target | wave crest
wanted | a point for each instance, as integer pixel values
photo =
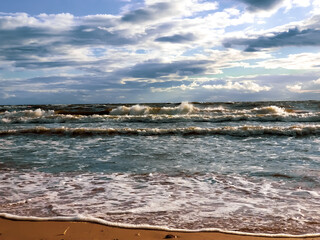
(183, 108)
(155, 113)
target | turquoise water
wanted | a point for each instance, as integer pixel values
(252, 167)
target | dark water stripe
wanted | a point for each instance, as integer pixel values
(242, 131)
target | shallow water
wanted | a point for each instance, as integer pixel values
(252, 167)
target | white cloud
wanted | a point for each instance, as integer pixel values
(61, 21)
(317, 81)
(294, 88)
(187, 7)
(289, 4)
(182, 87)
(299, 3)
(6, 95)
(246, 86)
(306, 87)
(293, 61)
(316, 7)
(162, 45)
(242, 86)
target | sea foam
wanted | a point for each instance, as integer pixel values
(183, 108)
(248, 167)
(89, 219)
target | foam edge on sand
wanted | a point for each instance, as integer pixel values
(81, 218)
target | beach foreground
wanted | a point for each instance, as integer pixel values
(69, 230)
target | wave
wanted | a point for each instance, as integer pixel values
(89, 219)
(180, 113)
(183, 108)
(240, 131)
(182, 200)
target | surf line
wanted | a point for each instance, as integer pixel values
(81, 218)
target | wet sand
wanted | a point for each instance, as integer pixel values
(69, 230)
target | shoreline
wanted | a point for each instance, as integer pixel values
(17, 228)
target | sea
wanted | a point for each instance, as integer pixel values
(250, 167)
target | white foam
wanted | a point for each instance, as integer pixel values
(271, 110)
(183, 112)
(25, 115)
(170, 201)
(82, 218)
(182, 109)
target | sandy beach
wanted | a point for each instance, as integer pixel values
(68, 230)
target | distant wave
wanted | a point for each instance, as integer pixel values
(183, 108)
(241, 131)
(141, 113)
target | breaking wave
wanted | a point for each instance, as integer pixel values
(243, 166)
(142, 113)
(183, 108)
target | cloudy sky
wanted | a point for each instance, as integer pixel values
(115, 51)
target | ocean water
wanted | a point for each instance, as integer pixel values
(236, 166)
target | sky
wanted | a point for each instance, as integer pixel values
(135, 51)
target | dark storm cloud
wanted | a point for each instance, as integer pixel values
(139, 15)
(157, 70)
(24, 43)
(177, 38)
(23, 57)
(97, 36)
(24, 53)
(88, 82)
(19, 35)
(80, 35)
(151, 12)
(25, 38)
(47, 64)
(256, 5)
(21, 45)
(292, 37)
